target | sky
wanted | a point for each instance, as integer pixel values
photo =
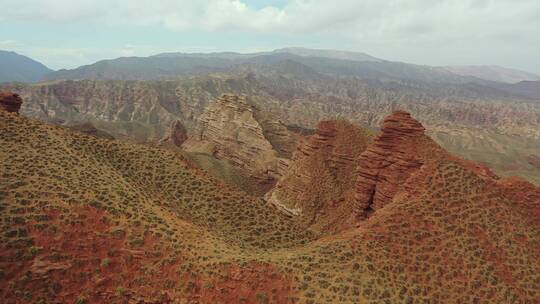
(70, 33)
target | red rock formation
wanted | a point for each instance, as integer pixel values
(324, 132)
(388, 161)
(10, 102)
(177, 134)
(316, 186)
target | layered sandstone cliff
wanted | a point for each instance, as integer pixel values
(229, 129)
(389, 161)
(340, 175)
(315, 188)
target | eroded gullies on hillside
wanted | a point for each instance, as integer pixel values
(91, 220)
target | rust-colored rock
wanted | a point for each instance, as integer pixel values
(10, 102)
(389, 161)
(322, 171)
(177, 134)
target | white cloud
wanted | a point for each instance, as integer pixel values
(398, 26)
(9, 44)
(297, 15)
(448, 20)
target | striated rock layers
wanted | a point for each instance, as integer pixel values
(232, 129)
(130, 110)
(322, 170)
(10, 102)
(396, 153)
(339, 176)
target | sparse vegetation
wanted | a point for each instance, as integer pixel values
(162, 224)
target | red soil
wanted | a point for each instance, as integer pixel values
(254, 283)
(87, 260)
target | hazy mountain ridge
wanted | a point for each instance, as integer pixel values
(300, 89)
(530, 89)
(494, 73)
(15, 67)
(333, 62)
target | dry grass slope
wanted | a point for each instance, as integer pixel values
(54, 181)
(88, 220)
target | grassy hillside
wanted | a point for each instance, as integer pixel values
(506, 154)
(125, 200)
(89, 220)
(226, 172)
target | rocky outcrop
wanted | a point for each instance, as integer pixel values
(388, 161)
(229, 130)
(177, 134)
(10, 102)
(322, 170)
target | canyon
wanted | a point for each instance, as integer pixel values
(475, 122)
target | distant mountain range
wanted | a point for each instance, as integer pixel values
(494, 73)
(335, 63)
(15, 67)
(529, 89)
(166, 66)
(299, 51)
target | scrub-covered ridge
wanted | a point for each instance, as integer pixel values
(86, 219)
